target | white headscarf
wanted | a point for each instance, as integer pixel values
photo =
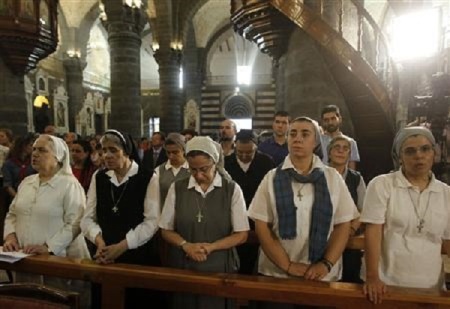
(204, 144)
(62, 154)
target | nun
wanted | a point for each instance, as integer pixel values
(407, 217)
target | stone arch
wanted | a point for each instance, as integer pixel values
(213, 43)
(237, 106)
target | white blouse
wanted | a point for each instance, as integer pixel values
(135, 237)
(263, 208)
(409, 257)
(47, 213)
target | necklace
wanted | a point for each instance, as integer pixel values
(299, 192)
(199, 215)
(115, 209)
(421, 223)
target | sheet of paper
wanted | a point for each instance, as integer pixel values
(12, 257)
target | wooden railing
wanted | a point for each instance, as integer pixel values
(116, 277)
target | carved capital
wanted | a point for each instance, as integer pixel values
(168, 57)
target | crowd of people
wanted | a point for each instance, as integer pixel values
(283, 207)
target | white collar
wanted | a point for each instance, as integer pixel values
(217, 182)
(402, 182)
(131, 172)
(169, 166)
(316, 163)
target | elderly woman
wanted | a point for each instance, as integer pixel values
(339, 153)
(44, 217)
(45, 214)
(407, 216)
(204, 219)
(119, 218)
(302, 212)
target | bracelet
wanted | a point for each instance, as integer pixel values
(181, 244)
(327, 264)
(289, 267)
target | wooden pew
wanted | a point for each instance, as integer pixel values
(114, 278)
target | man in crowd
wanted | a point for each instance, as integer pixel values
(331, 122)
(247, 167)
(156, 154)
(227, 133)
(276, 146)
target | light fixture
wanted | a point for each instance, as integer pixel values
(176, 45)
(73, 53)
(155, 46)
(39, 101)
(133, 3)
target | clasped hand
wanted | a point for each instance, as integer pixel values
(308, 271)
(198, 251)
(108, 254)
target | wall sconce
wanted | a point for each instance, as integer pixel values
(176, 45)
(133, 3)
(73, 53)
(39, 101)
(155, 46)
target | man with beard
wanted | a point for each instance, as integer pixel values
(276, 146)
(331, 121)
(227, 132)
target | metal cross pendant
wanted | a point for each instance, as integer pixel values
(199, 217)
(115, 209)
(420, 225)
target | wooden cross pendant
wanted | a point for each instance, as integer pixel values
(199, 217)
(420, 226)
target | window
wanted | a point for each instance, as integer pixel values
(244, 74)
(153, 125)
(415, 35)
(243, 123)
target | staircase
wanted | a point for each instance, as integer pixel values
(355, 52)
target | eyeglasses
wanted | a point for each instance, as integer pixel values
(341, 148)
(202, 170)
(411, 151)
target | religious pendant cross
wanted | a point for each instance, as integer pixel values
(299, 194)
(420, 225)
(115, 209)
(199, 217)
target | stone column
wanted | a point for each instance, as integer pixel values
(74, 67)
(169, 91)
(13, 106)
(124, 26)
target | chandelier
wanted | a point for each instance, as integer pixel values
(28, 32)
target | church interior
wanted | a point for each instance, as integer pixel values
(144, 66)
(170, 65)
